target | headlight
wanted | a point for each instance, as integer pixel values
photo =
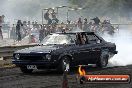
(17, 56)
(48, 56)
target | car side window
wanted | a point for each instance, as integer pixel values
(81, 39)
(92, 39)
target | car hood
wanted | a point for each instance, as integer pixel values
(40, 49)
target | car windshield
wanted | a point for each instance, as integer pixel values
(59, 39)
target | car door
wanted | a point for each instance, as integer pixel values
(83, 50)
(85, 54)
(94, 49)
(80, 52)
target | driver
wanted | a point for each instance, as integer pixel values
(81, 39)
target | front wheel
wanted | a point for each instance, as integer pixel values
(25, 70)
(64, 65)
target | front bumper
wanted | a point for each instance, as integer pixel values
(39, 64)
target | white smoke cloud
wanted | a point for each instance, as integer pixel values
(123, 41)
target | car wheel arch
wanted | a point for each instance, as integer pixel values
(65, 55)
(104, 55)
(64, 58)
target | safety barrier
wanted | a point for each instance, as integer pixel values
(7, 51)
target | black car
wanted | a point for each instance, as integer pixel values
(63, 50)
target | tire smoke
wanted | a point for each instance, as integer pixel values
(123, 41)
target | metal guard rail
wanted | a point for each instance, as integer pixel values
(7, 51)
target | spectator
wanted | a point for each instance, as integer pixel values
(41, 34)
(90, 25)
(33, 24)
(53, 14)
(96, 26)
(47, 18)
(32, 39)
(13, 32)
(24, 29)
(85, 25)
(54, 18)
(96, 20)
(1, 21)
(36, 25)
(79, 23)
(18, 30)
(46, 15)
(29, 24)
(49, 21)
(28, 27)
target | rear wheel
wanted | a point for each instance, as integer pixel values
(64, 65)
(25, 70)
(103, 61)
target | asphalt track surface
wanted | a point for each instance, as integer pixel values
(14, 78)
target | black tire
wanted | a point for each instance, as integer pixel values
(25, 70)
(64, 65)
(103, 61)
